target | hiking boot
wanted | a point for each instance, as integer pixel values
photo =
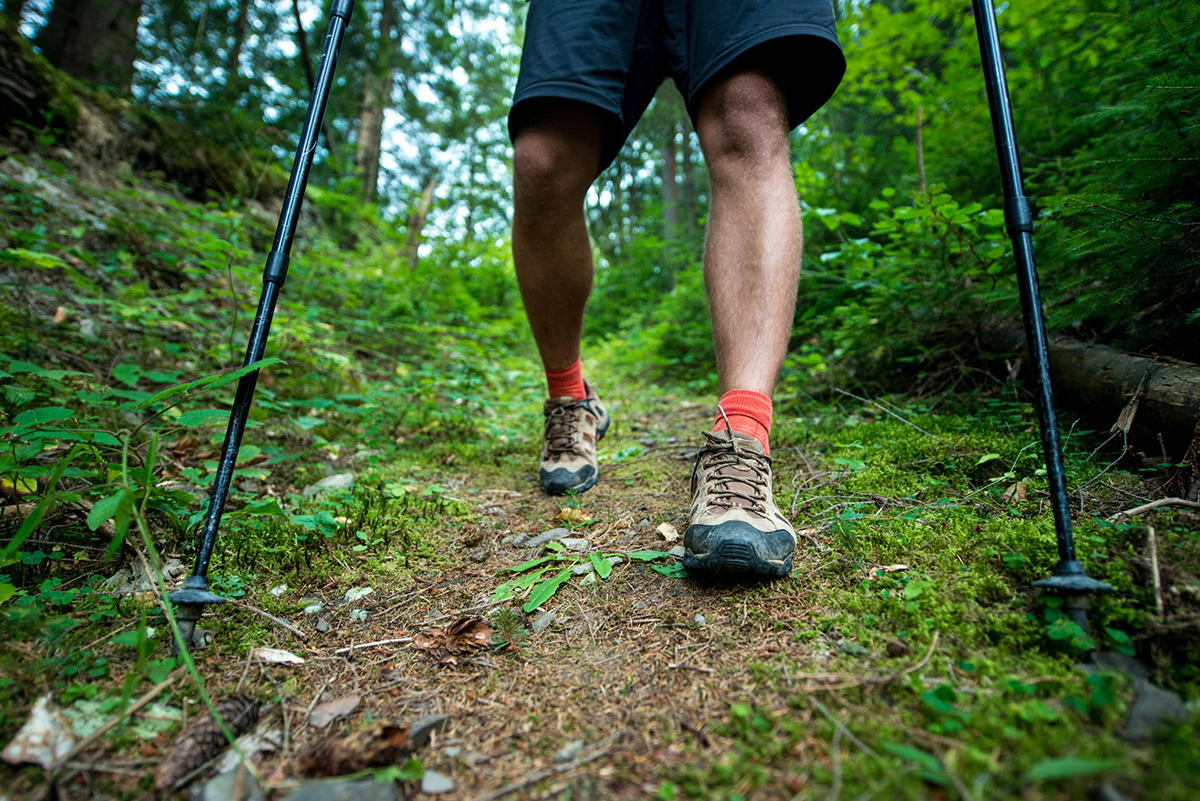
(735, 526)
(573, 427)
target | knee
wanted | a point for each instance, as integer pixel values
(742, 125)
(550, 169)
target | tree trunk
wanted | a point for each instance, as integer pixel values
(93, 40)
(1101, 381)
(377, 96)
(416, 222)
(670, 187)
(233, 62)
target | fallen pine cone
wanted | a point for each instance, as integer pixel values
(375, 746)
(202, 739)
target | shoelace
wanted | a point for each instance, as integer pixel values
(729, 461)
(562, 428)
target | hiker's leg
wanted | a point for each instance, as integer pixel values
(555, 159)
(752, 251)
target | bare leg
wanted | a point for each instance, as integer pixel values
(555, 158)
(752, 252)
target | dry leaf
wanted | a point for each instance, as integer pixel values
(1014, 494)
(375, 746)
(45, 738)
(326, 713)
(203, 739)
(668, 532)
(570, 514)
(461, 637)
(895, 568)
(276, 656)
(60, 315)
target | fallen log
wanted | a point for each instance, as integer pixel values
(1156, 396)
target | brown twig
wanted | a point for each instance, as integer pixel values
(1153, 543)
(1161, 502)
(377, 643)
(277, 621)
(600, 750)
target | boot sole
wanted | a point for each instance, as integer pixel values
(736, 556)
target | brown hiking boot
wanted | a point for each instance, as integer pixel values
(735, 526)
(573, 427)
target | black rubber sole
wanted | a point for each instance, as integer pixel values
(735, 557)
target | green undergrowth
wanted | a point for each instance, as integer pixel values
(927, 558)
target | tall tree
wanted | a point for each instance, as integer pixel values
(234, 60)
(376, 98)
(94, 40)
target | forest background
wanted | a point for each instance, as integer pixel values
(146, 145)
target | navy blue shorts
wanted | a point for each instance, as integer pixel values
(614, 54)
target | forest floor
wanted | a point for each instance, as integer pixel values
(382, 555)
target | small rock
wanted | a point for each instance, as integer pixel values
(569, 751)
(335, 482)
(615, 560)
(226, 786)
(553, 535)
(312, 605)
(590, 578)
(678, 551)
(851, 647)
(1106, 792)
(479, 554)
(342, 790)
(542, 621)
(700, 619)
(645, 521)
(279, 590)
(584, 569)
(575, 543)
(452, 751)
(509, 539)
(421, 729)
(322, 625)
(1111, 660)
(434, 783)
(1152, 707)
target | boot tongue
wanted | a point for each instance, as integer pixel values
(748, 442)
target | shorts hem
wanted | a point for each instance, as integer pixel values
(731, 53)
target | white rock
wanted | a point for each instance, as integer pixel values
(678, 551)
(45, 738)
(542, 621)
(434, 783)
(575, 543)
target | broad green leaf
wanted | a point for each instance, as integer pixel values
(127, 374)
(674, 570)
(601, 563)
(7, 591)
(46, 414)
(521, 568)
(199, 417)
(545, 591)
(987, 457)
(508, 588)
(105, 509)
(647, 556)
(308, 423)
(1049, 770)
(928, 766)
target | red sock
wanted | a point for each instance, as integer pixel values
(567, 381)
(748, 412)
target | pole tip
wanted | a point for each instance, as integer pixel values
(342, 8)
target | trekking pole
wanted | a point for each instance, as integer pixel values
(1069, 576)
(190, 600)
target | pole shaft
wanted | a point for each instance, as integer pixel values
(274, 274)
(1019, 221)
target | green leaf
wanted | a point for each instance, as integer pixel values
(988, 457)
(601, 563)
(508, 588)
(674, 570)
(647, 556)
(46, 414)
(7, 591)
(928, 766)
(532, 563)
(545, 591)
(105, 509)
(127, 374)
(307, 423)
(199, 417)
(1049, 770)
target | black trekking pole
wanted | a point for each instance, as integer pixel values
(1069, 578)
(190, 600)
